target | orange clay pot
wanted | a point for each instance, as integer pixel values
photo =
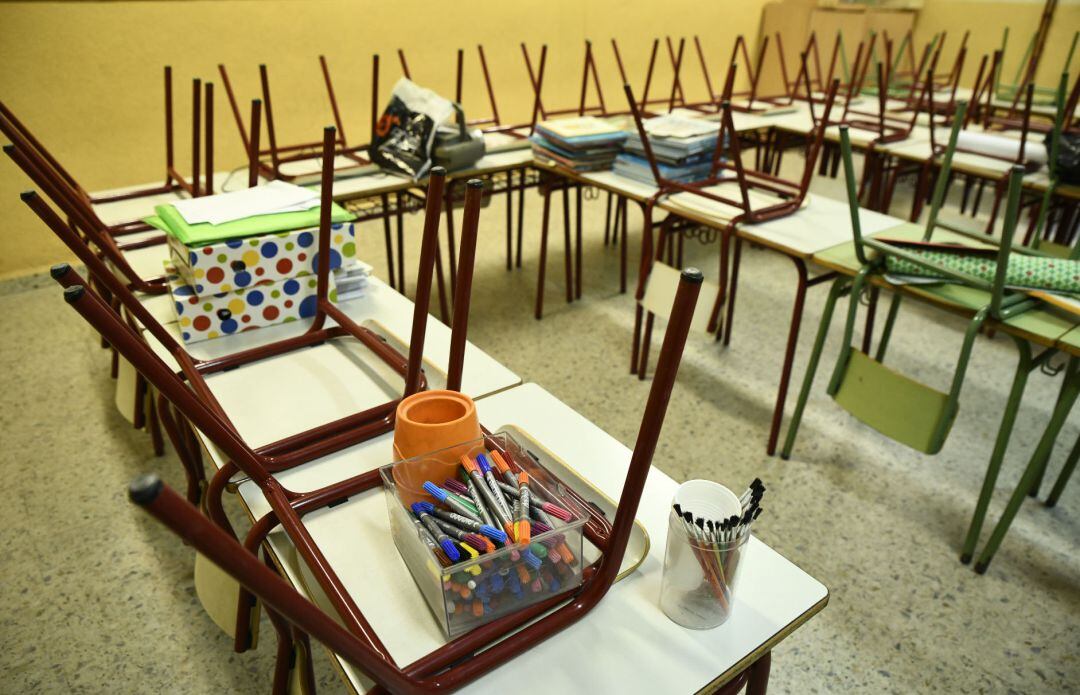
(432, 422)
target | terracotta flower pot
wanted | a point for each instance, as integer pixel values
(432, 422)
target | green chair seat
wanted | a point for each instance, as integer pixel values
(912, 412)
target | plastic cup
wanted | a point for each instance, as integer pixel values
(699, 574)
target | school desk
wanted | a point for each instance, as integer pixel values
(625, 645)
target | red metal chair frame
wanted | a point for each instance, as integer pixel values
(792, 194)
(16, 131)
(320, 441)
(283, 154)
(460, 661)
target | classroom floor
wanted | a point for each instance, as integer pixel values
(99, 598)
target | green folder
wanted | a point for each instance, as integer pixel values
(170, 221)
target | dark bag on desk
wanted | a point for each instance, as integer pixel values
(455, 147)
(1068, 158)
(405, 134)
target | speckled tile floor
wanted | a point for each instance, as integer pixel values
(99, 598)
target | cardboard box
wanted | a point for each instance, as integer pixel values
(240, 263)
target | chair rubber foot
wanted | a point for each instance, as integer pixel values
(1050, 503)
(965, 559)
(785, 457)
(980, 567)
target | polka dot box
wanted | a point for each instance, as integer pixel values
(204, 316)
(242, 263)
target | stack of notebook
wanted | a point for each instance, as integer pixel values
(584, 143)
(683, 148)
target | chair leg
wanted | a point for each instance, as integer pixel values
(538, 312)
(1001, 444)
(1066, 473)
(645, 341)
(886, 331)
(440, 281)
(1035, 466)
(835, 290)
(871, 313)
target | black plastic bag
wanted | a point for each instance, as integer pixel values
(405, 133)
(1067, 165)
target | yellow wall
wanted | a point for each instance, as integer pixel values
(86, 76)
(987, 20)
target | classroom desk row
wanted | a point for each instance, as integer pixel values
(601, 652)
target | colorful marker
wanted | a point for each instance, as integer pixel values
(522, 528)
(429, 522)
(449, 500)
(492, 499)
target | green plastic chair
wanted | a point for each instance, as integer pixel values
(902, 408)
(1008, 91)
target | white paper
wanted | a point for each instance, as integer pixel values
(996, 145)
(273, 197)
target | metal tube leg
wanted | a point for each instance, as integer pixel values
(735, 260)
(646, 340)
(1001, 444)
(721, 295)
(635, 348)
(444, 312)
(400, 243)
(538, 312)
(509, 220)
(450, 237)
(521, 213)
(886, 331)
(385, 199)
(758, 682)
(826, 318)
(577, 245)
(607, 219)
(1066, 473)
(567, 245)
(789, 357)
(871, 312)
(1035, 466)
(622, 244)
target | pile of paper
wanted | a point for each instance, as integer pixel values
(583, 143)
(683, 148)
(274, 207)
(352, 280)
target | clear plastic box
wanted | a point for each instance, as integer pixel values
(472, 592)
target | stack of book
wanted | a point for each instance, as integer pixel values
(683, 148)
(583, 143)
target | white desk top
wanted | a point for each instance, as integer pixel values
(820, 224)
(604, 651)
(629, 188)
(137, 208)
(276, 397)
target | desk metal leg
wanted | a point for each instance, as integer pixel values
(391, 275)
(577, 246)
(735, 260)
(607, 219)
(1063, 477)
(449, 203)
(789, 356)
(522, 180)
(400, 242)
(567, 245)
(538, 313)
(510, 220)
(622, 244)
(758, 683)
(444, 312)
